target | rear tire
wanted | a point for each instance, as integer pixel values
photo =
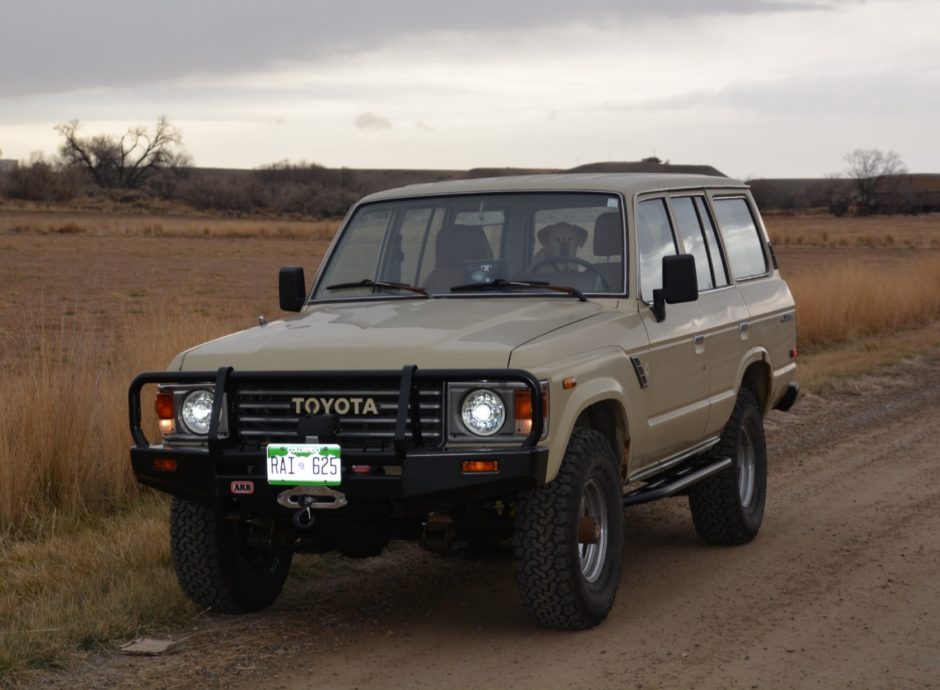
(563, 583)
(215, 565)
(728, 507)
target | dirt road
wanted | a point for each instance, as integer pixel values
(841, 589)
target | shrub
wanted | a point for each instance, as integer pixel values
(41, 180)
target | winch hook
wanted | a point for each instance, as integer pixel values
(303, 518)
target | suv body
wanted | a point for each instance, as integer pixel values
(479, 359)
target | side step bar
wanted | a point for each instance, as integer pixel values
(673, 482)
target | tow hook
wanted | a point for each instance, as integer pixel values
(439, 533)
(303, 518)
(306, 499)
(589, 532)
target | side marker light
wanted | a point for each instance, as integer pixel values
(164, 464)
(477, 466)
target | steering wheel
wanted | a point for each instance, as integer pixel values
(558, 263)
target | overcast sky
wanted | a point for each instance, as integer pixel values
(754, 88)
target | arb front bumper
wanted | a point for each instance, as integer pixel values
(411, 467)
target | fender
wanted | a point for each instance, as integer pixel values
(595, 383)
(722, 403)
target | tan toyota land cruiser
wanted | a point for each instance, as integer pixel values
(477, 360)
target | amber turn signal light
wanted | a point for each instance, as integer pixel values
(163, 404)
(475, 466)
(164, 464)
(523, 404)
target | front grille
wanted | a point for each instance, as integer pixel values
(267, 413)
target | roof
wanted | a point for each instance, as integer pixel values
(627, 184)
(646, 166)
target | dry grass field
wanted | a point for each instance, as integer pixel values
(88, 300)
(871, 232)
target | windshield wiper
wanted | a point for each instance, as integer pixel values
(501, 284)
(367, 282)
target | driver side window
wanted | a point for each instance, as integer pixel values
(656, 240)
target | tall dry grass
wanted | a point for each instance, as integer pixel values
(64, 435)
(850, 301)
(84, 552)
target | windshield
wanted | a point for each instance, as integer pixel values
(387, 249)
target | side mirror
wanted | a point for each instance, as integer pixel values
(680, 283)
(293, 292)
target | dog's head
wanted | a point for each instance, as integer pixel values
(562, 239)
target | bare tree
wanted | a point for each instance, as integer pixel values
(125, 162)
(873, 171)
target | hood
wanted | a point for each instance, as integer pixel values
(388, 334)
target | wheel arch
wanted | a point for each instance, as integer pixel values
(758, 377)
(609, 418)
(598, 405)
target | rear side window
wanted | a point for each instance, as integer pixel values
(714, 246)
(656, 240)
(742, 240)
(693, 239)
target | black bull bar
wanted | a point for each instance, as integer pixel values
(425, 474)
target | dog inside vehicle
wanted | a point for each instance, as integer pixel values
(559, 240)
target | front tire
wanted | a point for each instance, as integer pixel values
(565, 581)
(728, 508)
(216, 566)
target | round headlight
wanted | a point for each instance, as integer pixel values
(197, 411)
(483, 412)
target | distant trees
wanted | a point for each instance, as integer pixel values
(125, 162)
(301, 189)
(40, 179)
(875, 174)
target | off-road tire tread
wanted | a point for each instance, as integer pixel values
(206, 569)
(715, 502)
(194, 550)
(549, 584)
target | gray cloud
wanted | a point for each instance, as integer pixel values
(812, 97)
(52, 46)
(371, 121)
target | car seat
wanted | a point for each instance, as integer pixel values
(453, 247)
